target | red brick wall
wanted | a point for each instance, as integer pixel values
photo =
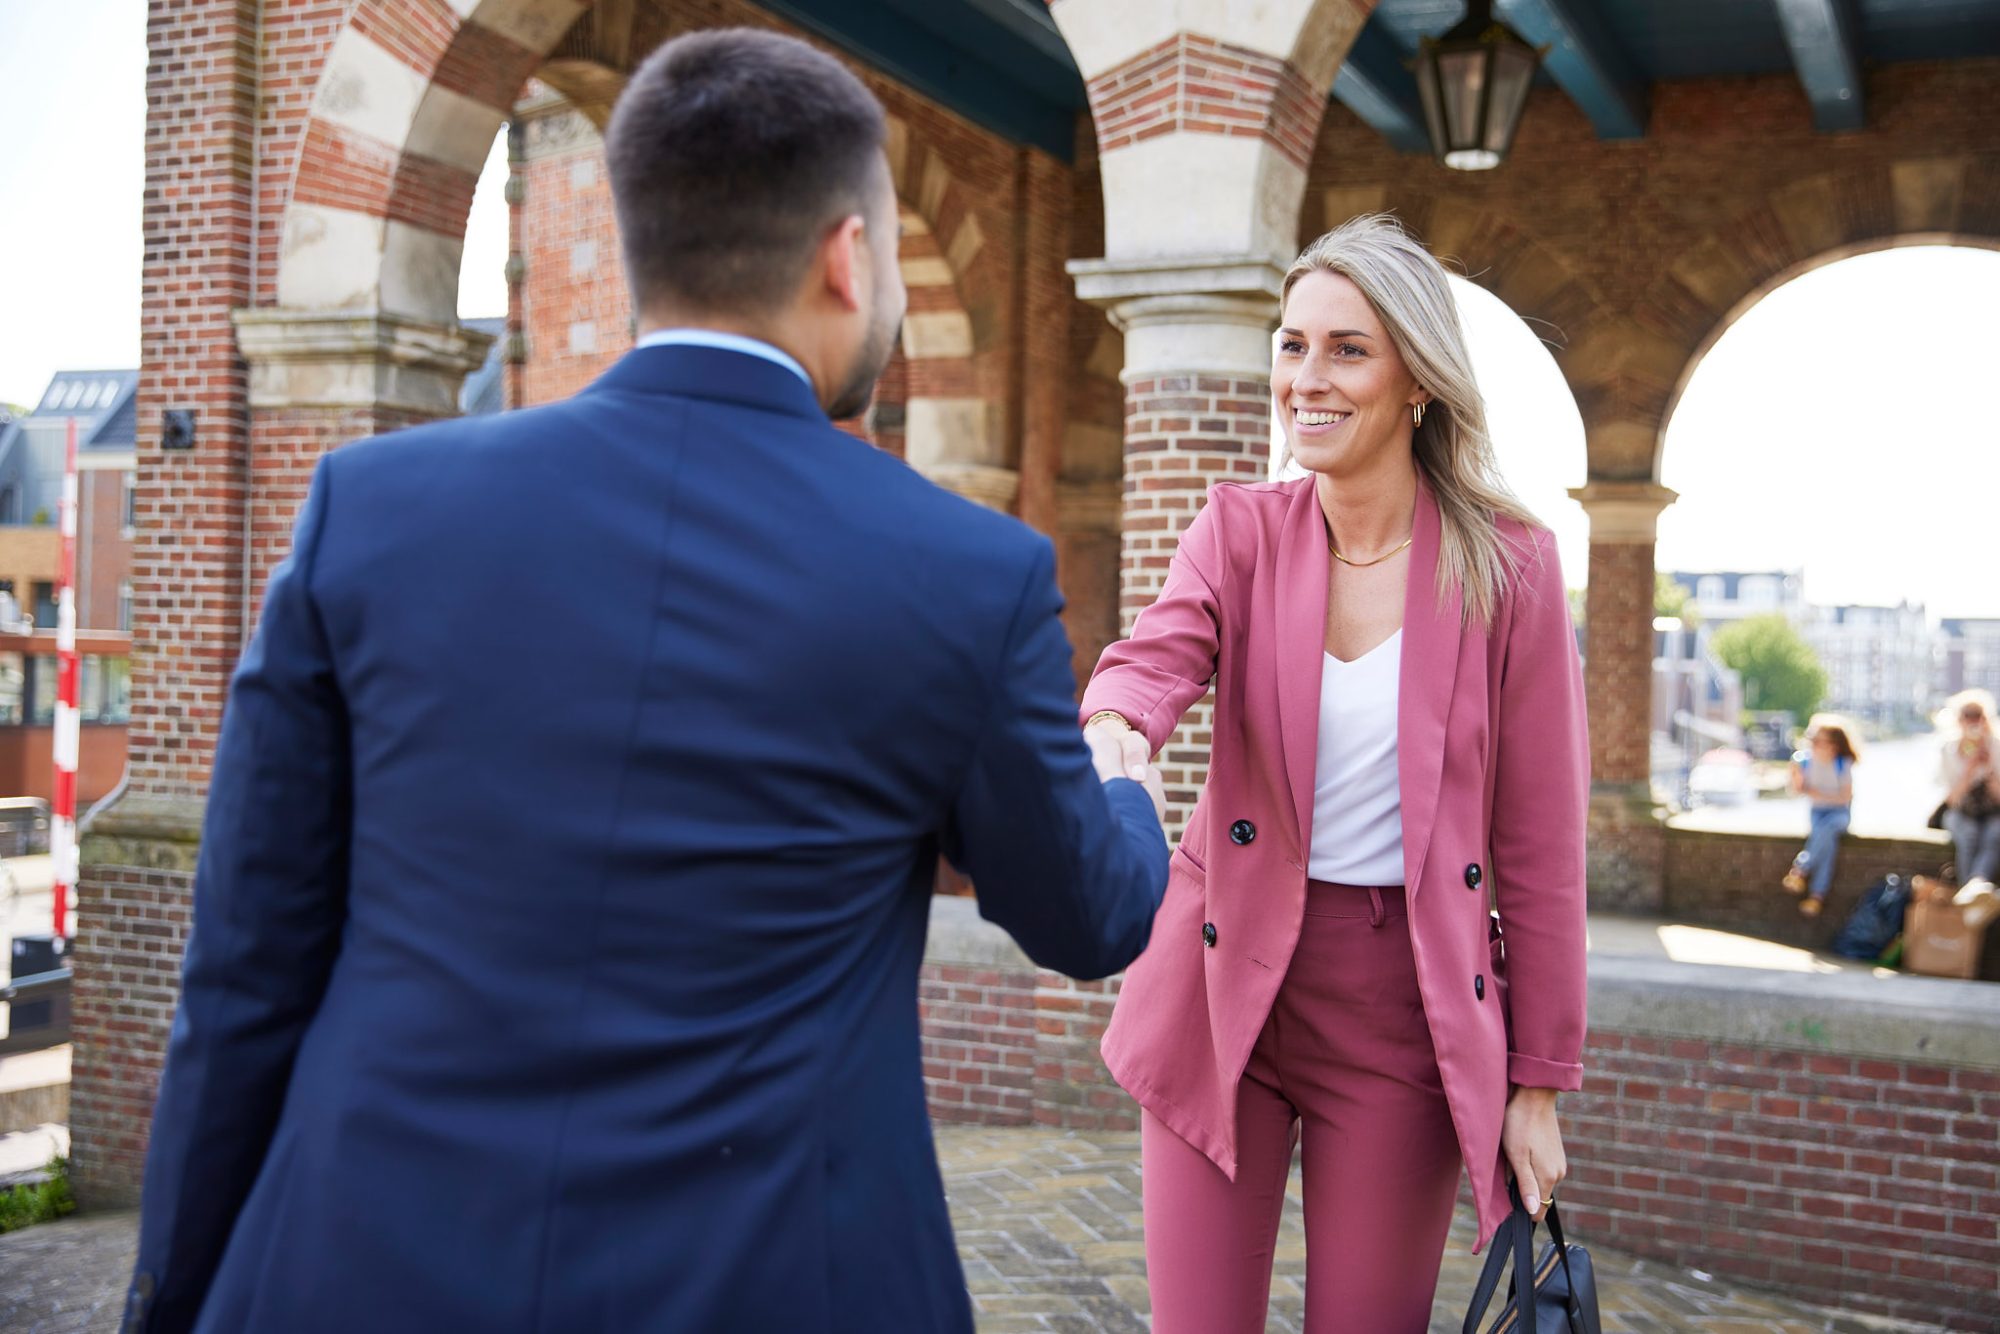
(1014, 1046)
(575, 307)
(1195, 83)
(197, 223)
(132, 925)
(1820, 1175)
(979, 1042)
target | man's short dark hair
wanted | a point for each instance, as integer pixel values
(731, 152)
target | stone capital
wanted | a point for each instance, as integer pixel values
(1210, 314)
(356, 359)
(1625, 512)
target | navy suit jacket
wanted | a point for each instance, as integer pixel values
(566, 870)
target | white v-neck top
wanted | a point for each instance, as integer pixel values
(1357, 827)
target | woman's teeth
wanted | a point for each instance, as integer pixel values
(1319, 418)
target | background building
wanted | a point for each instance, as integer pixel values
(1968, 655)
(1880, 663)
(104, 407)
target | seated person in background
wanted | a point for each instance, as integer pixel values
(1824, 772)
(1970, 770)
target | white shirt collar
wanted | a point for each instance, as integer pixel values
(728, 342)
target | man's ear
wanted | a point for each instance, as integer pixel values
(843, 262)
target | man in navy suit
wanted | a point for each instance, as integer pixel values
(572, 828)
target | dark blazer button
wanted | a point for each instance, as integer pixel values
(1479, 986)
(1242, 832)
(1472, 876)
(1208, 934)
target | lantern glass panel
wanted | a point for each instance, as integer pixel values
(1513, 71)
(1463, 74)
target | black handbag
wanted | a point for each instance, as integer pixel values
(1555, 1295)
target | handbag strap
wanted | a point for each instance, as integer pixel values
(1514, 1237)
(1489, 1277)
(1575, 1303)
(1524, 1271)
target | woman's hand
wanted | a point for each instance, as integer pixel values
(1533, 1146)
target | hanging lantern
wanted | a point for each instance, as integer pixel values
(1473, 83)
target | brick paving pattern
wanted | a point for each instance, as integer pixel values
(1048, 1228)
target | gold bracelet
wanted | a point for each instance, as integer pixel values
(1102, 714)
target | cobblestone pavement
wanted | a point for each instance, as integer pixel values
(66, 1277)
(1048, 1227)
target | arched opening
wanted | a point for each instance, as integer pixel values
(1831, 460)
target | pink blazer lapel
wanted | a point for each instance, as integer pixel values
(1301, 598)
(1429, 674)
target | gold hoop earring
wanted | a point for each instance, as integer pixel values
(1417, 414)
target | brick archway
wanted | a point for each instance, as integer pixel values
(409, 100)
(1729, 305)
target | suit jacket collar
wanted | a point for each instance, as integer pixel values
(717, 374)
(1426, 679)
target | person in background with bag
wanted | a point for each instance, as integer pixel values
(1824, 773)
(1970, 770)
(1399, 733)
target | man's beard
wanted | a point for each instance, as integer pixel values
(853, 398)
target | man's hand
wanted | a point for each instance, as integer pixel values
(1120, 752)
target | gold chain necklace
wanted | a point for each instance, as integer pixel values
(1364, 564)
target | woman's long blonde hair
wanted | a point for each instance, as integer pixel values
(1408, 289)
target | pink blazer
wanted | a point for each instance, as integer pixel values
(1495, 775)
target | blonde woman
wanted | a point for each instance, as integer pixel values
(1399, 739)
(1969, 767)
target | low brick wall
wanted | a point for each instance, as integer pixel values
(1836, 1137)
(1006, 1043)
(1731, 881)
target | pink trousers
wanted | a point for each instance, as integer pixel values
(1345, 1066)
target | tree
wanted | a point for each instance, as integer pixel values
(1779, 669)
(1674, 599)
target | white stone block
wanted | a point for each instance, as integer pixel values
(453, 129)
(329, 258)
(583, 259)
(367, 90)
(937, 333)
(535, 24)
(420, 272)
(583, 174)
(582, 338)
(948, 430)
(1201, 194)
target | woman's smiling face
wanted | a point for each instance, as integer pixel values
(1338, 384)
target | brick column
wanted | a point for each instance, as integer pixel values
(1200, 92)
(1627, 848)
(1197, 412)
(188, 577)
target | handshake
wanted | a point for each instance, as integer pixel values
(1120, 752)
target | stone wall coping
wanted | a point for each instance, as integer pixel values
(1689, 824)
(1931, 1021)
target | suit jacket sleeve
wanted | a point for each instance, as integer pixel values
(1540, 797)
(269, 901)
(1073, 867)
(1154, 677)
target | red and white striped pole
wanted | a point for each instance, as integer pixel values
(62, 825)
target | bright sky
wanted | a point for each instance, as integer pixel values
(1837, 427)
